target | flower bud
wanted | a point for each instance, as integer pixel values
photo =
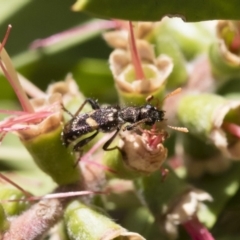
(138, 154)
(224, 53)
(214, 119)
(179, 75)
(192, 38)
(205, 158)
(83, 222)
(156, 70)
(43, 141)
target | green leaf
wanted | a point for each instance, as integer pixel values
(10, 7)
(154, 10)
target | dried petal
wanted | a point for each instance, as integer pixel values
(117, 39)
(49, 123)
(67, 88)
(218, 136)
(184, 209)
(139, 154)
(156, 71)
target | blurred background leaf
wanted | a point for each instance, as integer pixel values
(39, 19)
(154, 10)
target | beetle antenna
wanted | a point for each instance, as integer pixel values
(180, 129)
(151, 97)
(178, 90)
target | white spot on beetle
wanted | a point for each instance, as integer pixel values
(92, 123)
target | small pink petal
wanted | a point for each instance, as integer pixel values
(12, 112)
(235, 45)
(232, 128)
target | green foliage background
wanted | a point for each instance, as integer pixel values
(40, 19)
(86, 56)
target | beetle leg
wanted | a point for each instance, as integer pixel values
(65, 110)
(92, 102)
(77, 147)
(79, 156)
(134, 125)
(109, 141)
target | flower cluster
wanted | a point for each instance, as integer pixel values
(149, 61)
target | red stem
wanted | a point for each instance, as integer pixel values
(196, 230)
(135, 56)
(5, 37)
(87, 28)
(27, 194)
